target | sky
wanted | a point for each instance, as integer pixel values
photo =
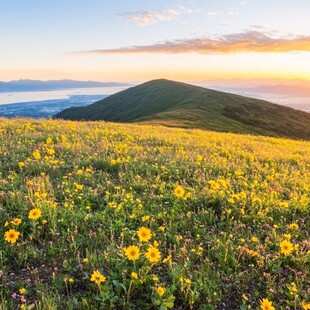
(139, 40)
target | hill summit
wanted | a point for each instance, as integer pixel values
(176, 104)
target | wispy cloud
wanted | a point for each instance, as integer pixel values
(258, 27)
(271, 31)
(249, 41)
(144, 18)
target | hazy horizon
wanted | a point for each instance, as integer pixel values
(66, 97)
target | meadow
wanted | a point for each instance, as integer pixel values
(97, 215)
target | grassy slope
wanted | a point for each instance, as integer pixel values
(181, 105)
(95, 183)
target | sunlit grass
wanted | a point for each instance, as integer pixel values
(109, 216)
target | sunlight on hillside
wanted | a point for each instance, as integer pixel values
(97, 215)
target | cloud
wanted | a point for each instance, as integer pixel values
(243, 2)
(212, 13)
(144, 18)
(258, 27)
(246, 42)
(265, 29)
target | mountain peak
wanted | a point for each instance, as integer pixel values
(177, 104)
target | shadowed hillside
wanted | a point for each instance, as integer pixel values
(176, 104)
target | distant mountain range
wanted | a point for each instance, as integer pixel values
(176, 104)
(37, 85)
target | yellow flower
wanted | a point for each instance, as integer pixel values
(97, 277)
(179, 191)
(199, 250)
(231, 200)
(79, 172)
(252, 253)
(21, 164)
(134, 275)
(160, 291)
(85, 260)
(287, 236)
(78, 187)
(153, 254)
(286, 247)
(71, 280)
(305, 305)
(11, 235)
(132, 252)
(199, 158)
(188, 195)
(255, 239)
(293, 226)
(22, 291)
(16, 221)
(50, 151)
(144, 234)
(34, 214)
(145, 218)
(293, 289)
(283, 204)
(36, 154)
(266, 305)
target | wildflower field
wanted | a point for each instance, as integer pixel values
(97, 215)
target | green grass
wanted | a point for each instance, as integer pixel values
(176, 104)
(97, 183)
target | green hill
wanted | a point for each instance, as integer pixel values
(176, 104)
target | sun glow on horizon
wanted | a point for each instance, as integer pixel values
(186, 67)
(129, 42)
